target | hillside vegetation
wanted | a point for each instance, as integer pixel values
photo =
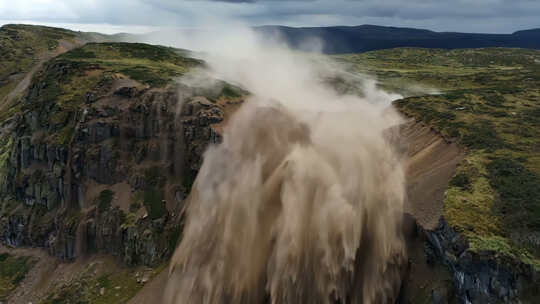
(488, 100)
(13, 269)
(98, 151)
(23, 47)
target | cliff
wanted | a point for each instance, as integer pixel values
(101, 149)
(485, 102)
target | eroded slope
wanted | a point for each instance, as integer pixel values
(487, 101)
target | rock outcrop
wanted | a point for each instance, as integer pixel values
(443, 269)
(477, 277)
(107, 175)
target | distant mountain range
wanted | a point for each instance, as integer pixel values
(356, 39)
(362, 38)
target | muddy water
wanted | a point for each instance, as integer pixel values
(293, 208)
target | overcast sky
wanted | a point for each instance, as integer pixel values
(490, 16)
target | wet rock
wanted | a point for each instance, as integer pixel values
(180, 194)
(91, 97)
(128, 92)
(101, 131)
(437, 297)
(26, 152)
(478, 277)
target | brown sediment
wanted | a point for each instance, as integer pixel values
(152, 292)
(431, 163)
(283, 209)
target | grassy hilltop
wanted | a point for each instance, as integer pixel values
(489, 103)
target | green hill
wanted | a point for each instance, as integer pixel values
(488, 101)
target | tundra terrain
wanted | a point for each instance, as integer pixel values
(100, 143)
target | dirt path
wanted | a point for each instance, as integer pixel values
(24, 83)
(153, 291)
(38, 278)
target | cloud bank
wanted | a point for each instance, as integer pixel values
(491, 16)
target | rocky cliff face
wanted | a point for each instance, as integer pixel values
(479, 278)
(101, 165)
(443, 267)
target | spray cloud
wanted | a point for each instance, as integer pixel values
(302, 201)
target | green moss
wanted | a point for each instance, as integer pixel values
(489, 104)
(146, 75)
(470, 210)
(461, 180)
(6, 145)
(104, 281)
(21, 45)
(130, 221)
(173, 237)
(119, 286)
(105, 199)
(153, 177)
(12, 266)
(482, 135)
(138, 50)
(13, 269)
(59, 92)
(503, 248)
(126, 280)
(154, 204)
(135, 206)
(64, 136)
(518, 192)
(488, 209)
(60, 117)
(532, 116)
(189, 179)
(153, 194)
(232, 92)
(148, 64)
(80, 53)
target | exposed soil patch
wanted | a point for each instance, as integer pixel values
(23, 84)
(38, 280)
(430, 165)
(153, 291)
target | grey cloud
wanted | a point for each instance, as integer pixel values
(441, 15)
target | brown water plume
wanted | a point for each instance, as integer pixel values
(302, 201)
